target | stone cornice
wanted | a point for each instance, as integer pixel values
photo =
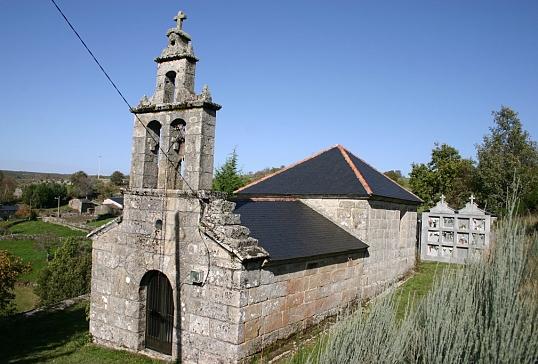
(175, 57)
(142, 109)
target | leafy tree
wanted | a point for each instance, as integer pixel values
(42, 194)
(254, 176)
(83, 184)
(68, 275)
(11, 267)
(117, 178)
(505, 155)
(446, 174)
(396, 176)
(7, 190)
(228, 177)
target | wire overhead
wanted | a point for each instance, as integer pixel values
(165, 153)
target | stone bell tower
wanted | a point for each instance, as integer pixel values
(142, 260)
(174, 130)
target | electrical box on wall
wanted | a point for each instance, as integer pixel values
(197, 276)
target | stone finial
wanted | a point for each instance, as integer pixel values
(144, 101)
(206, 94)
(190, 49)
(472, 199)
(179, 19)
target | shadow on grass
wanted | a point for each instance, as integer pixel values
(42, 337)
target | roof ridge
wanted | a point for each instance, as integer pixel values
(355, 170)
(286, 168)
(383, 174)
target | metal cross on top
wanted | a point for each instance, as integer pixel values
(179, 19)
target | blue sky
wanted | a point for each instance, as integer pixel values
(385, 79)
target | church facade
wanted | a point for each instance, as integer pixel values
(201, 279)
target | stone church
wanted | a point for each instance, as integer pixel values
(201, 279)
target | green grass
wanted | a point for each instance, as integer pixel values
(100, 222)
(39, 227)
(57, 337)
(25, 298)
(26, 250)
(419, 285)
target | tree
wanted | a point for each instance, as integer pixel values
(11, 267)
(506, 155)
(43, 194)
(396, 176)
(446, 174)
(228, 177)
(82, 184)
(117, 178)
(7, 190)
(68, 275)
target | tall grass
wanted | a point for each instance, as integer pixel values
(483, 312)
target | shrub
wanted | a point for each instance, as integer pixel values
(68, 275)
(11, 268)
(484, 312)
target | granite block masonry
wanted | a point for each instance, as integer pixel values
(179, 275)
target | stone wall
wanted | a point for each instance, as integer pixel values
(242, 304)
(293, 296)
(388, 228)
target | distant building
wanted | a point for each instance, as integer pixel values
(81, 205)
(7, 212)
(116, 202)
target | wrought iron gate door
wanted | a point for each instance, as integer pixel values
(159, 314)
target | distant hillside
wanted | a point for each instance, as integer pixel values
(22, 177)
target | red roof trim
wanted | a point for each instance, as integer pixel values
(384, 175)
(355, 170)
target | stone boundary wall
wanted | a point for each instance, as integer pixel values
(59, 221)
(35, 236)
(59, 306)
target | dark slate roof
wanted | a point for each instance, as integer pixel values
(290, 229)
(118, 200)
(333, 172)
(9, 208)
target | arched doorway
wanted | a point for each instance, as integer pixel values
(159, 313)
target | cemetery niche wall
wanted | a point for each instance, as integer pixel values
(454, 236)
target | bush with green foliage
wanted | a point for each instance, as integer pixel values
(446, 174)
(68, 275)
(228, 177)
(43, 195)
(11, 267)
(117, 178)
(7, 190)
(507, 154)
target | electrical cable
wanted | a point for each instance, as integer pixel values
(166, 154)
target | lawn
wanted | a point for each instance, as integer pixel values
(25, 297)
(57, 337)
(40, 227)
(100, 222)
(420, 284)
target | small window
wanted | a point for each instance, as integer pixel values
(169, 87)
